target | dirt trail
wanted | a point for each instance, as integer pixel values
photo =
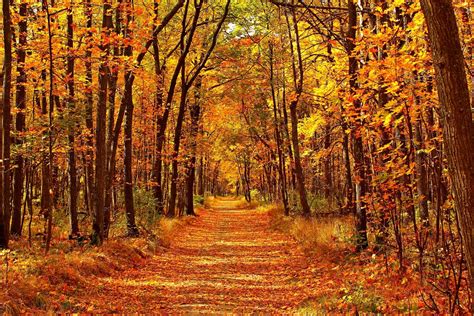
(227, 260)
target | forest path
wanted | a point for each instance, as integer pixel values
(227, 260)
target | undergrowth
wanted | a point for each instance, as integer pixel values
(33, 282)
(314, 234)
(348, 281)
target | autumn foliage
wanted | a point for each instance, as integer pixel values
(342, 128)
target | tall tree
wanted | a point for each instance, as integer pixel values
(6, 119)
(101, 153)
(89, 159)
(279, 143)
(187, 83)
(458, 127)
(298, 78)
(110, 165)
(129, 86)
(183, 100)
(195, 114)
(70, 64)
(132, 229)
(48, 108)
(21, 82)
(359, 157)
(159, 74)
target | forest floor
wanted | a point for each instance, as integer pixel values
(227, 260)
(231, 258)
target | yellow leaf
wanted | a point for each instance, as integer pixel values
(387, 120)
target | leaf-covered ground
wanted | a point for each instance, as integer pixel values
(229, 259)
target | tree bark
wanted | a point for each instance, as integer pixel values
(46, 190)
(176, 145)
(298, 168)
(279, 144)
(73, 191)
(359, 157)
(89, 159)
(6, 119)
(422, 176)
(195, 113)
(157, 165)
(456, 114)
(132, 229)
(163, 119)
(328, 185)
(20, 120)
(110, 126)
(101, 152)
(298, 77)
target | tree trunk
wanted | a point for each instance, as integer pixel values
(20, 120)
(279, 144)
(456, 114)
(186, 84)
(195, 113)
(89, 159)
(47, 190)
(101, 152)
(328, 186)
(157, 165)
(201, 170)
(359, 159)
(110, 126)
(298, 168)
(298, 77)
(422, 175)
(181, 68)
(132, 229)
(176, 142)
(6, 119)
(73, 191)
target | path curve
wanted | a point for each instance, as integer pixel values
(228, 260)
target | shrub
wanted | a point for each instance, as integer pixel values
(315, 234)
(199, 199)
(145, 205)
